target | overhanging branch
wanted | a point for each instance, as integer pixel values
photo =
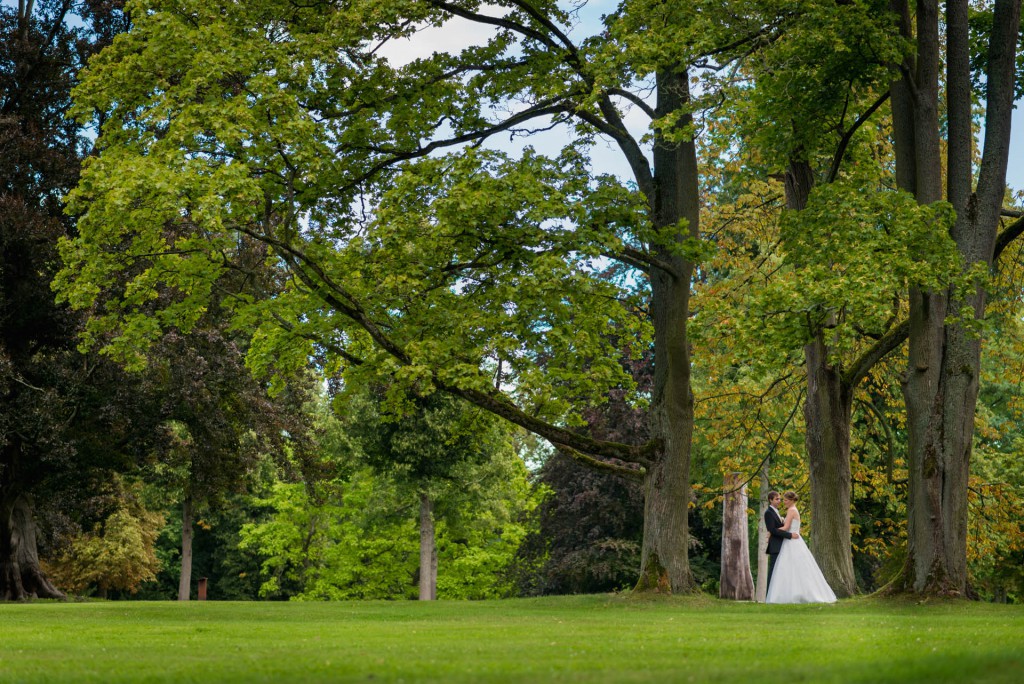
(889, 341)
(848, 136)
(314, 277)
(1008, 235)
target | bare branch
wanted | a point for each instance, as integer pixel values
(837, 159)
(635, 99)
(1008, 235)
(859, 369)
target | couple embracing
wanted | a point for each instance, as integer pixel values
(793, 575)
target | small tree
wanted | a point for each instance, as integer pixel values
(425, 443)
(118, 553)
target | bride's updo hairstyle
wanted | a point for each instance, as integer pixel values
(791, 496)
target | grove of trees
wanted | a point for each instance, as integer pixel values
(286, 310)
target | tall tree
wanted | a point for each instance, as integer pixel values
(287, 124)
(941, 386)
(424, 443)
(40, 374)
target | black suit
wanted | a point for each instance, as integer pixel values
(773, 523)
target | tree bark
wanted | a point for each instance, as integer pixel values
(665, 564)
(185, 580)
(735, 581)
(21, 576)
(428, 550)
(941, 386)
(762, 536)
(828, 413)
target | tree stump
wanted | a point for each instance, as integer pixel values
(736, 582)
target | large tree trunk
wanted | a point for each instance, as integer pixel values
(941, 387)
(428, 550)
(828, 412)
(20, 574)
(735, 581)
(665, 563)
(185, 580)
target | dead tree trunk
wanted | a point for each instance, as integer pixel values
(735, 581)
(428, 550)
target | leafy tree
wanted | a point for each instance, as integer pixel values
(49, 405)
(589, 529)
(471, 263)
(118, 554)
(425, 444)
(944, 346)
(357, 537)
(218, 422)
(589, 524)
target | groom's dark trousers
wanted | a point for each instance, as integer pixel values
(773, 523)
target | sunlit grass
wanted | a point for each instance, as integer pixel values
(575, 639)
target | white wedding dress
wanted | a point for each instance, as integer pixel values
(796, 577)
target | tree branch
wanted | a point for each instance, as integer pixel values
(888, 436)
(635, 156)
(775, 445)
(313, 276)
(494, 21)
(642, 260)
(1008, 235)
(848, 135)
(635, 99)
(890, 341)
(541, 109)
(602, 465)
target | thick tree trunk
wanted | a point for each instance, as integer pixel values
(828, 412)
(185, 580)
(941, 386)
(735, 581)
(665, 564)
(21, 577)
(428, 550)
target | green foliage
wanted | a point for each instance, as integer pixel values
(240, 120)
(851, 256)
(829, 61)
(355, 547)
(117, 554)
(362, 541)
(980, 22)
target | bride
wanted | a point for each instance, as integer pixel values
(796, 577)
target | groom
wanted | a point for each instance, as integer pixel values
(773, 522)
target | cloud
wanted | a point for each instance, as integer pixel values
(452, 37)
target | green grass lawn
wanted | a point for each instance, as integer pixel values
(567, 639)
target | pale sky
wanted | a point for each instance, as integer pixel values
(460, 33)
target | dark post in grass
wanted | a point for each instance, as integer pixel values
(736, 581)
(202, 589)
